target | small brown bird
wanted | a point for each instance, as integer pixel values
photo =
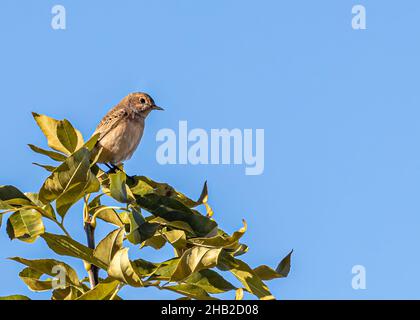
(121, 130)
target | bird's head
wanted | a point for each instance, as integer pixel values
(142, 103)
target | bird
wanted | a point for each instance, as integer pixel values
(121, 129)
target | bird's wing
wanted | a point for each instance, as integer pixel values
(109, 122)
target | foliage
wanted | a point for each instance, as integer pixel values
(148, 213)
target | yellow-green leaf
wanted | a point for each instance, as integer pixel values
(142, 186)
(282, 270)
(31, 278)
(70, 182)
(15, 297)
(51, 267)
(122, 269)
(52, 154)
(118, 187)
(250, 280)
(25, 225)
(103, 291)
(11, 197)
(177, 238)
(194, 260)
(220, 240)
(107, 248)
(66, 246)
(239, 294)
(210, 281)
(47, 210)
(189, 290)
(60, 134)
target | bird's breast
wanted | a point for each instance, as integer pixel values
(121, 142)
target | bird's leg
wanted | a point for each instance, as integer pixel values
(111, 167)
(115, 168)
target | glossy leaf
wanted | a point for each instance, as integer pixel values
(282, 270)
(47, 210)
(11, 197)
(190, 290)
(51, 154)
(122, 269)
(221, 240)
(177, 238)
(173, 210)
(107, 248)
(251, 282)
(142, 186)
(70, 182)
(51, 267)
(139, 229)
(118, 188)
(25, 225)
(103, 291)
(194, 260)
(60, 134)
(66, 246)
(210, 281)
(31, 278)
(44, 166)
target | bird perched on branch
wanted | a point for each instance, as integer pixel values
(121, 130)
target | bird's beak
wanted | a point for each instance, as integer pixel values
(157, 108)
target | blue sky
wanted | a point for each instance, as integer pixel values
(340, 110)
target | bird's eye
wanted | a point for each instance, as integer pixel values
(142, 101)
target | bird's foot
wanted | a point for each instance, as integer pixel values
(112, 168)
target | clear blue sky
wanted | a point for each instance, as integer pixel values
(340, 109)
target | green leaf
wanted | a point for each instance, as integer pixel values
(173, 210)
(181, 225)
(282, 270)
(194, 260)
(107, 248)
(31, 278)
(284, 266)
(122, 269)
(118, 188)
(103, 291)
(139, 229)
(189, 290)
(108, 215)
(221, 241)
(249, 279)
(11, 197)
(210, 281)
(69, 293)
(15, 297)
(70, 182)
(25, 225)
(156, 242)
(60, 134)
(51, 267)
(52, 154)
(91, 143)
(142, 186)
(66, 246)
(47, 210)
(67, 135)
(164, 270)
(44, 166)
(177, 238)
